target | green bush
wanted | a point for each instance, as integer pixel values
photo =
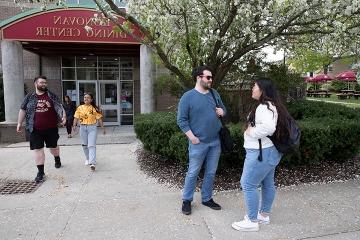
(304, 109)
(337, 85)
(357, 87)
(329, 133)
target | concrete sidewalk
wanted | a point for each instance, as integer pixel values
(118, 201)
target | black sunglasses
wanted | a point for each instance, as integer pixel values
(207, 77)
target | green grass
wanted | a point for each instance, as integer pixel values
(352, 102)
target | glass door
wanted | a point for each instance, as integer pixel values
(126, 99)
(86, 87)
(109, 103)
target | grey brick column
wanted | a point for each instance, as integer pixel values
(13, 77)
(147, 74)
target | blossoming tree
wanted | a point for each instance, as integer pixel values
(221, 33)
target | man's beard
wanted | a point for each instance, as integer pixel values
(205, 85)
(42, 88)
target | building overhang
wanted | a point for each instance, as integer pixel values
(68, 31)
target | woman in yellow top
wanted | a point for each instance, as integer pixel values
(88, 115)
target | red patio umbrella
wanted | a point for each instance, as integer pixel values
(322, 78)
(347, 76)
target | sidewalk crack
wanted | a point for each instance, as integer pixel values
(87, 179)
(208, 228)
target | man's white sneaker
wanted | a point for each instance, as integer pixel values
(86, 162)
(246, 225)
(262, 219)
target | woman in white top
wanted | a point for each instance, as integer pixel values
(261, 155)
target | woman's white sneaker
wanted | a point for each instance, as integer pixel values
(262, 219)
(86, 162)
(246, 225)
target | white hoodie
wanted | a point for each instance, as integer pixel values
(265, 125)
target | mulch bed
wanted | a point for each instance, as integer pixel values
(172, 173)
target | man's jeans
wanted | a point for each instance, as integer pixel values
(207, 153)
(259, 173)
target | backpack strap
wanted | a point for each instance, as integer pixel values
(217, 105)
(260, 149)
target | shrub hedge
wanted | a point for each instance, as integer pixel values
(329, 133)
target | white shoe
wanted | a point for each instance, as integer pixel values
(86, 162)
(246, 225)
(262, 219)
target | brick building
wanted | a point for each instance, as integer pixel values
(119, 71)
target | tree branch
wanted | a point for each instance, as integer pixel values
(147, 34)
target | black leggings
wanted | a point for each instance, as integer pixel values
(69, 123)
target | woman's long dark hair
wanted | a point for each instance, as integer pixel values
(97, 109)
(270, 94)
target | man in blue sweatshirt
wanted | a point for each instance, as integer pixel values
(198, 118)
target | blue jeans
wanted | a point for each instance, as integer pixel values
(88, 134)
(207, 153)
(255, 174)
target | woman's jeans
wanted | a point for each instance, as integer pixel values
(207, 153)
(88, 134)
(259, 173)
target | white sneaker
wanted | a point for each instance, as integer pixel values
(262, 219)
(246, 225)
(86, 162)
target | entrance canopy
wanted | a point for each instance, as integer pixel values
(61, 31)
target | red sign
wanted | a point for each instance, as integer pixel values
(65, 25)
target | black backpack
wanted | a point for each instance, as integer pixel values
(226, 141)
(290, 143)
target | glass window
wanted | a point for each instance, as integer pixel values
(108, 93)
(86, 61)
(108, 74)
(109, 62)
(68, 73)
(126, 75)
(69, 89)
(68, 61)
(86, 74)
(110, 115)
(126, 98)
(126, 63)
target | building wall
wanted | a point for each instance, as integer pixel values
(30, 60)
(9, 9)
(51, 68)
(31, 69)
(34, 65)
(340, 66)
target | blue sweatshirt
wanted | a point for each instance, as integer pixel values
(196, 112)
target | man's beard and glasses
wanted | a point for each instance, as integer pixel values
(41, 85)
(206, 81)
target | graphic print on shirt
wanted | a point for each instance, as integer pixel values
(85, 115)
(43, 105)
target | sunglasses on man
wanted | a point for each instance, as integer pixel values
(207, 77)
